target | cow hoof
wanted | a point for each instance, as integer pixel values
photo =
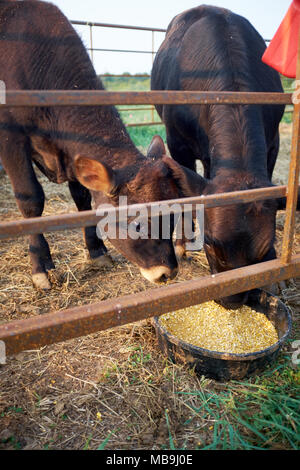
(41, 281)
(102, 261)
(180, 251)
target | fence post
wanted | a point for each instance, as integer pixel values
(91, 42)
(292, 188)
(152, 109)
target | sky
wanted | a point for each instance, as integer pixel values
(265, 16)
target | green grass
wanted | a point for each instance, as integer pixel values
(132, 83)
(261, 413)
(103, 444)
(141, 135)
(287, 83)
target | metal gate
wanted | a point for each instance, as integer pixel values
(33, 333)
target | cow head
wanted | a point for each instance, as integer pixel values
(241, 234)
(157, 177)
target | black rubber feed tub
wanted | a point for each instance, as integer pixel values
(226, 366)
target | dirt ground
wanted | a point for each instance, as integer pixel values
(112, 386)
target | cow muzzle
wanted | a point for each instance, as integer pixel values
(159, 274)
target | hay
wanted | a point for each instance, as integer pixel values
(114, 383)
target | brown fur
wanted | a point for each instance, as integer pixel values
(39, 49)
(211, 49)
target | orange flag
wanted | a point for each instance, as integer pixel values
(282, 51)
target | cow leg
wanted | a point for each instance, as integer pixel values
(180, 150)
(272, 155)
(29, 194)
(96, 248)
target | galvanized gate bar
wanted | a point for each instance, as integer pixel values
(42, 98)
(36, 332)
(88, 218)
(125, 51)
(143, 124)
(120, 26)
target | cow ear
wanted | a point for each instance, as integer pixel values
(190, 183)
(157, 148)
(94, 175)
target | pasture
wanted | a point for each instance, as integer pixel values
(114, 389)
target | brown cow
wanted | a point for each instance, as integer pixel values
(88, 147)
(212, 49)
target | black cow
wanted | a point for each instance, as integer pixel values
(88, 147)
(212, 49)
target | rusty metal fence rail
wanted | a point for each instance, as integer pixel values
(45, 98)
(35, 332)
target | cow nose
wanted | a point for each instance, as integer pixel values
(168, 276)
(159, 274)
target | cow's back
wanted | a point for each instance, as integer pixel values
(212, 49)
(44, 55)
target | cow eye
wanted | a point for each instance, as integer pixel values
(222, 263)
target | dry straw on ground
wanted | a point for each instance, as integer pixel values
(114, 384)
